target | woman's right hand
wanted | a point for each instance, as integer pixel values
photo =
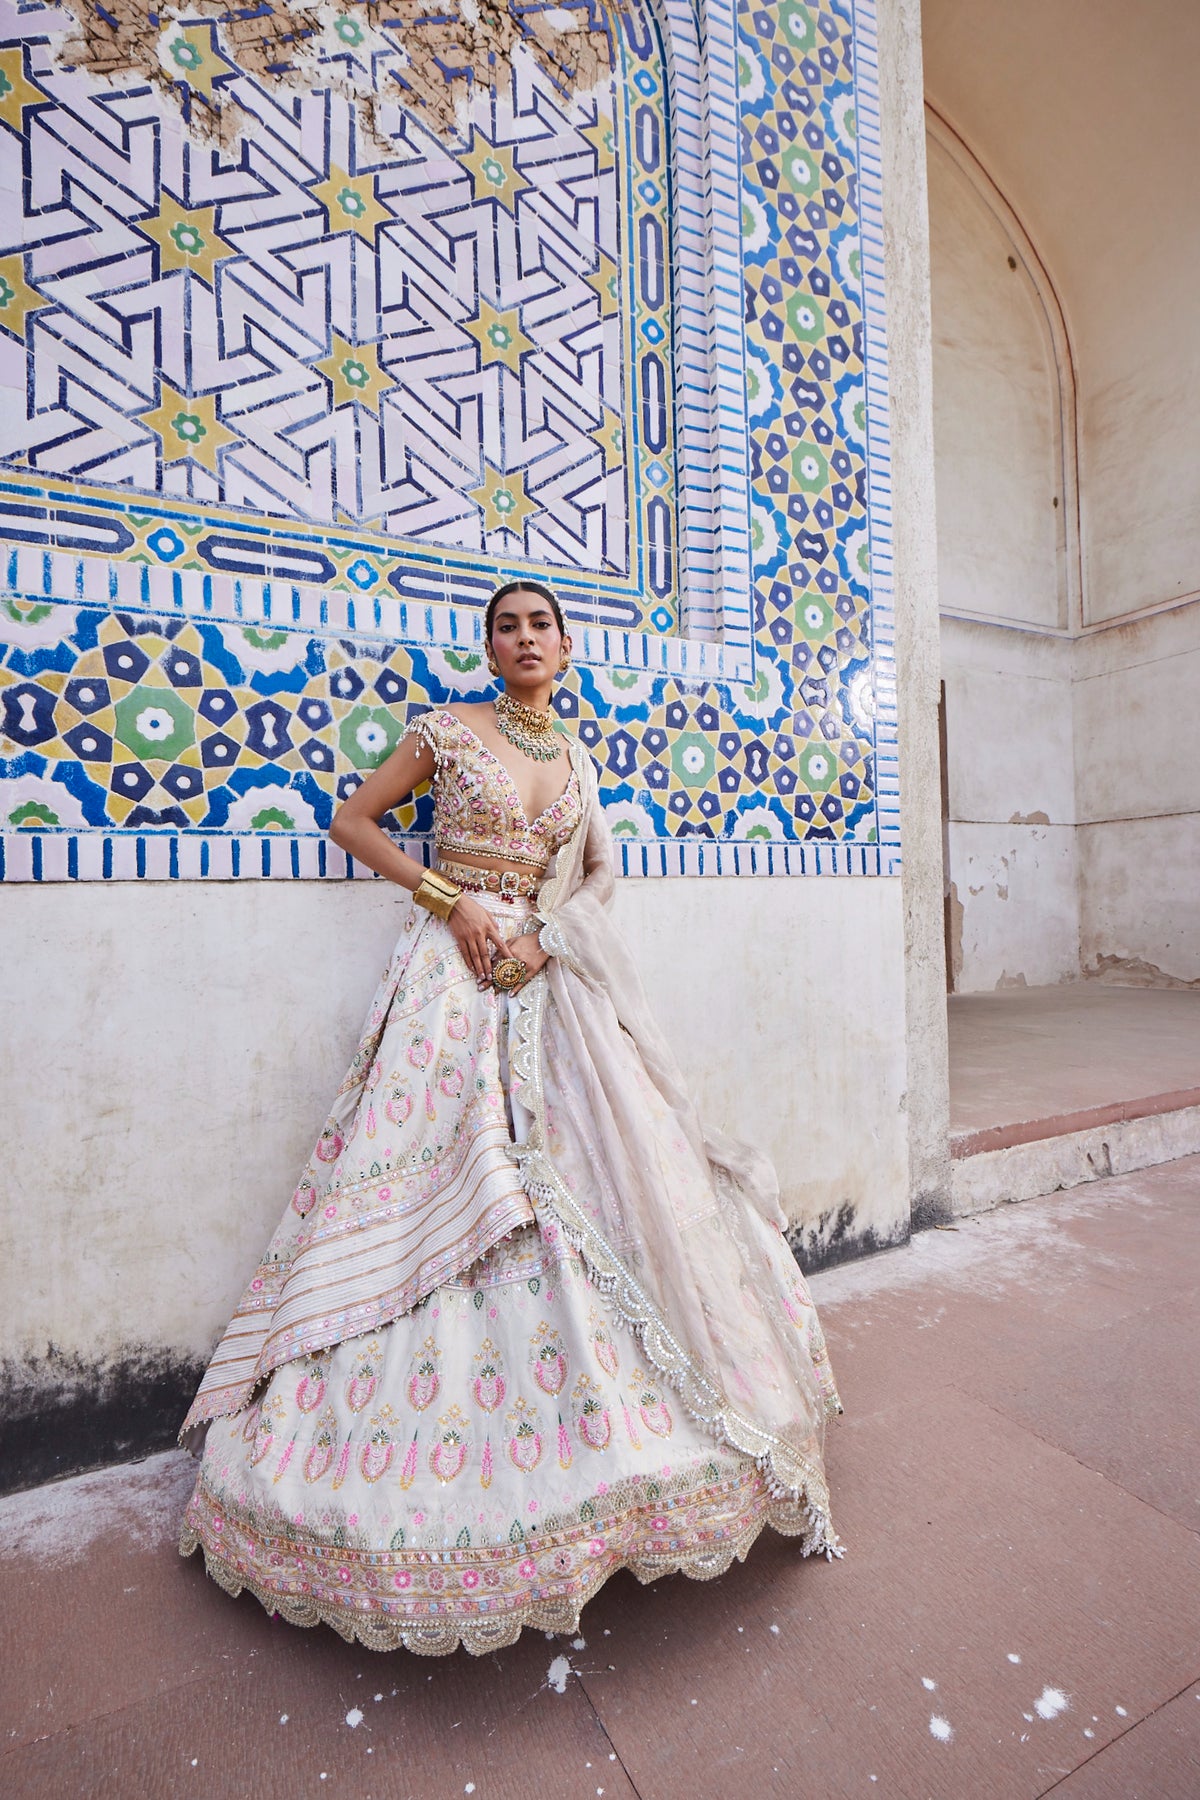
(476, 935)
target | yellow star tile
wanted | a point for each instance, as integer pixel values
(493, 171)
(355, 373)
(16, 296)
(606, 284)
(15, 92)
(506, 505)
(609, 436)
(499, 336)
(188, 427)
(350, 202)
(186, 53)
(603, 140)
(186, 238)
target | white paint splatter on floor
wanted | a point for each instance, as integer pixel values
(354, 1718)
(470, 1788)
(283, 1718)
(1050, 1702)
(940, 1728)
(775, 1629)
(1121, 1713)
(1013, 1657)
(926, 1683)
(579, 1643)
(557, 1674)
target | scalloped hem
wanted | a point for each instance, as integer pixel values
(557, 1615)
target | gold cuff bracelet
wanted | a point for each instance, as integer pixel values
(437, 895)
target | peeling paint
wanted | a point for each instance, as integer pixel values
(955, 926)
(440, 55)
(1033, 818)
(1134, 971)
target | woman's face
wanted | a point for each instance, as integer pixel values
(526, 641)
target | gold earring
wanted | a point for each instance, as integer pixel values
(564, 662)
(492, 664)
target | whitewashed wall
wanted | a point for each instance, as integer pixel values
(1137, 737)
(1014, 916)
(996, 409)
(1073, 697)
(179, 1045)
(1003, 590)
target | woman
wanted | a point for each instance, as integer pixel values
(525, 1322)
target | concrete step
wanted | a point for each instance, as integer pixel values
(1022, 1159)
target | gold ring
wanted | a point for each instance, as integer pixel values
(508, 974)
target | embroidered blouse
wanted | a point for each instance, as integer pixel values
(476, 808)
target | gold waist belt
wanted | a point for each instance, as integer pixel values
(509, 885)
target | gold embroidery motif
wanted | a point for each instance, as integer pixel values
(548, 1359)
(449, 1453)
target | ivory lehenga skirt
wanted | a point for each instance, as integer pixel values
(431, 1421)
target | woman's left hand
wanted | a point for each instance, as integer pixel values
(530, 952)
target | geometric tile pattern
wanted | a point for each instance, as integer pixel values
(465, 347)
(252, 697)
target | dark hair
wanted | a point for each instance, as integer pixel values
(522, 587)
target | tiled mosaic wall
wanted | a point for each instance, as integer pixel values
(283, 408)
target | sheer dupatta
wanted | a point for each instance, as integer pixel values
(680, 1223)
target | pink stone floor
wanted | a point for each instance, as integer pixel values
(1017, 1481)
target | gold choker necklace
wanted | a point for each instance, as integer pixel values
(528, 730)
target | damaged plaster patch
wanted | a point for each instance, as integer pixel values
(1134, 971)
(954, 932)
(430, 59)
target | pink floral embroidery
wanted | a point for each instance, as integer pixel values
(477, 810)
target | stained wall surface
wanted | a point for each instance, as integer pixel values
(223, 1025)
(1074, 838)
